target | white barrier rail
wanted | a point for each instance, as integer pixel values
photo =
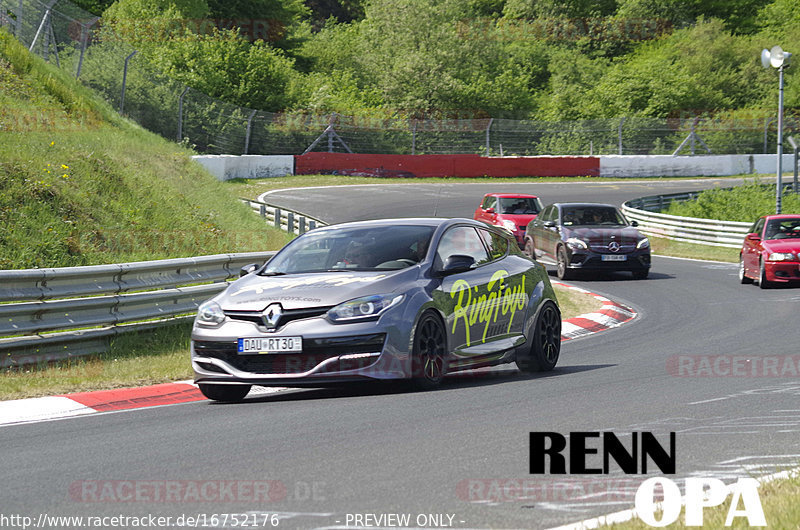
(689, 229)
(283, 219)
(47, 327)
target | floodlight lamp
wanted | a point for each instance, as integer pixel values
(776, 57)
(765, 58)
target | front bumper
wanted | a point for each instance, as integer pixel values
(590, 260)
(782, 271)
(331, 352)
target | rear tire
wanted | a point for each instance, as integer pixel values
(743, 279)
(429, 353)
(545, 341)
(225, 393)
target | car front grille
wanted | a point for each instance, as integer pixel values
(315, 351)
(287, 316)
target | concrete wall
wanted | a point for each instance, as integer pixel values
(690, 166)
(226, 167)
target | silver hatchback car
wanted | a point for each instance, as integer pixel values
(376, 300)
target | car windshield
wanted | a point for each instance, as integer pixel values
(519, 205)
(783, 229)
(356, 248)
(592, 215)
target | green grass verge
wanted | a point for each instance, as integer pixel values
(778, 499)
(681, 249)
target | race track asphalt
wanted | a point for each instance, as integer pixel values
(461, 451)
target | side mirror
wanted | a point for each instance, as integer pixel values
(753, 237)
(549, 224)
(634, 223)
(457, 263)
(490, 210)
(247, 269)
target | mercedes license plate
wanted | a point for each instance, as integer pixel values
(271, 345)
(614, 257)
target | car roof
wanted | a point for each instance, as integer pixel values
(782, 216)
(418, 221)
(512, 195)
(582, 204)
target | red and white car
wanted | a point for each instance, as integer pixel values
(512, 211)
(771, 251)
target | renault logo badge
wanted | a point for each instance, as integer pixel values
(272, 315)
(613, 246)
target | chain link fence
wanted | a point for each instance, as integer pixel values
(74, 40)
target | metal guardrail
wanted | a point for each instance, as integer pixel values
(105, 300)
(689, 229)
(283, 219)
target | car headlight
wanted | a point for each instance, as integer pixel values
(780, 256)
(509, 225)
(575, 243)
(643, 243)
(210, 314)
(363, 308)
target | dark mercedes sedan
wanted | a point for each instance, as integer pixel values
(390, 299)
(586, 236)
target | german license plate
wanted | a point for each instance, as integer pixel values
(271, 345)
(614, 257)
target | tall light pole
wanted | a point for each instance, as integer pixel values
(777, 58)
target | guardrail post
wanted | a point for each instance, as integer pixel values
(278, 218)
(302, 221)
(180, 114)
(124, 82)
(262, 210)
(311, 224)
(290, 222)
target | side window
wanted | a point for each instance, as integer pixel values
(547, 214)
(758, 226)
(497, 244)
(462, 240)
(490, 202)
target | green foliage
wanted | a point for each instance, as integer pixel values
(742, 203)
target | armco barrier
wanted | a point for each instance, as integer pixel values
(689, 229)
(369, 165)
(283, 219)
(46, 326)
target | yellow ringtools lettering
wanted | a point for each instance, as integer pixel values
(475, 307)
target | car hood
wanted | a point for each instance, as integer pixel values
(296, 291)
(781, 245)
(597, 235)
(519, 220)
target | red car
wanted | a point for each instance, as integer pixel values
(512, 211)
(771, 251)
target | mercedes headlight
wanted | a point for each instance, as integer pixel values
(363, 308)
(574, 243)
(643, 243)
(210, 314)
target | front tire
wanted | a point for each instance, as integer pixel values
(762, 275)
(429, 353)
(545, 342)
(743, 279)
(562, 265)
(529, 250)
(224, 393)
